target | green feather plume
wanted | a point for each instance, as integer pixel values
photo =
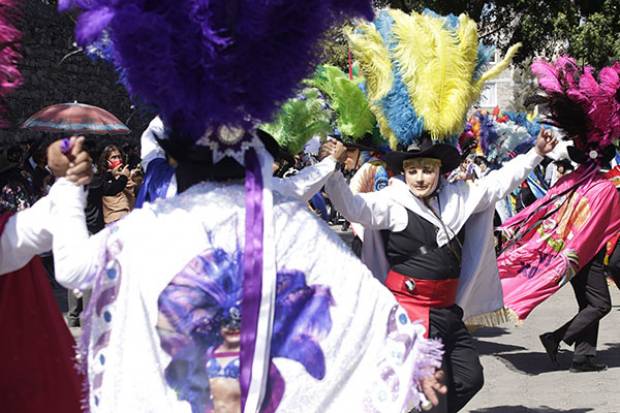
(299, 120)
(346, 97)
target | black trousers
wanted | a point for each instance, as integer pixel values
(76, 306)
(60, 293)
(461, 362)
(592, 293)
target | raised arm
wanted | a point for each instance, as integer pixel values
(76, 253)
(308, 181)
(372, 210)
(25, 235)
(498, 184)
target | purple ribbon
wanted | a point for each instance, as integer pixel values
(66, 146)
(252, 269)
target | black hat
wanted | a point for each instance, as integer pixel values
(447, 154)
(367, 143)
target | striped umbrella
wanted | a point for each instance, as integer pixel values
(76, 118)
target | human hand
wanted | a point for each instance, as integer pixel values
(136, 175)
(57, 159)
(326, 149)
(333, 148)
(80, 170)
(66, 158)
(546, 142)
(432, 387)
(121, 170)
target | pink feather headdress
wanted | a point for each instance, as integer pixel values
(586, 108)
(10, 38)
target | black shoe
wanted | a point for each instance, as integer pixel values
(588, 365)
(73, 322)
(551, 345)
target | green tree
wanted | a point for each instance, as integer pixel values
(525, 86)
(586, 29)
(335, 48)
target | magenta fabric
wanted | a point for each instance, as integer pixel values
(550, 241)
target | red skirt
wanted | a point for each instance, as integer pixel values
(37, 363)
(418, 296)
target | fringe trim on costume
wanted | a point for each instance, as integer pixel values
(429, 359)
(492, 319)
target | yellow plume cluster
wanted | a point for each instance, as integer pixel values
(439, 65)
(374, 59)
(375, 64)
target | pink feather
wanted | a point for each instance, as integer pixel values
(10, 37)
(547, 76)
(610, 79)
(596, 97)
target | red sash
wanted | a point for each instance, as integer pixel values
(418, 296)
(37, 365)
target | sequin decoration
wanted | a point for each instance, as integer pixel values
(229, 142)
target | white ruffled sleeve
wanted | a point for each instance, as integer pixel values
(76, 253)
(373, 210)
(498, 184)
(308, 181)
(25, 235)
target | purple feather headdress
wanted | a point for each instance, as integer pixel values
(10, 37)
(208, 63)
(587, 109)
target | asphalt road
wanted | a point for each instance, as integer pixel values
(519, 378)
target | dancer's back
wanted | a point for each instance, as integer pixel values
(167, 271)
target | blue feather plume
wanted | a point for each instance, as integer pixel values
(396, 105)
(485, 55)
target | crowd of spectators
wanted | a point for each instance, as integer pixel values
(25, 178)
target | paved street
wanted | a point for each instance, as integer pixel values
(521, 379)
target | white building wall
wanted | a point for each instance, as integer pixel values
(499, 91)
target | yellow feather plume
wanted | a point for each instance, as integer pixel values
(468, 42)
(500, 67)
(437, 67)
(374, 59)
(438, 62)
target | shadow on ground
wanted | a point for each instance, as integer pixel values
(488, 348)
(534, 363)
(523, 409)
(611, 355)
(490, 332)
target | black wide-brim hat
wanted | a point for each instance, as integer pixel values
(448, 155)
(367, 143)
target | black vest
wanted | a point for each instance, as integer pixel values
(414, 251)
